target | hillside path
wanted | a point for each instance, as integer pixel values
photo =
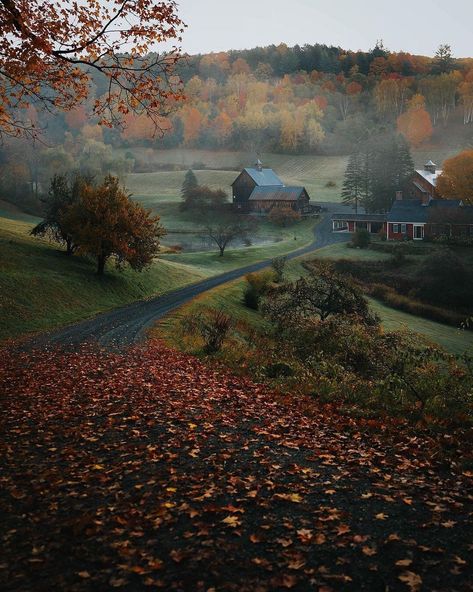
(127, 325)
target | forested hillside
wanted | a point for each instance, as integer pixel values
(312, 99)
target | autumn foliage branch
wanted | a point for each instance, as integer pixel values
(51, 51)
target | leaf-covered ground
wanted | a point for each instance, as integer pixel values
(148, 470)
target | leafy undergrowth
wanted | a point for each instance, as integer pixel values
(148, 469)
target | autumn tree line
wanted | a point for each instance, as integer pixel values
(312, 104)
(313, 99)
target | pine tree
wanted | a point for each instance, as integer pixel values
(189, 185)
(353, 182)
(391, 168)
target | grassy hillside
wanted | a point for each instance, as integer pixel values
(40, 288)
(229, 298)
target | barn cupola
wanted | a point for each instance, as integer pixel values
(258, 165)
(431, 167)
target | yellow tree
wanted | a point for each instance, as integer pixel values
(456, 180)
(51, 49)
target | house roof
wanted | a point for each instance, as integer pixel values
(444, 213)
(408, 210)
(263, 177)
(446, 203)
(276, 193)
(429, 176)
(360, 217)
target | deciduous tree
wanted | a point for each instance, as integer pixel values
(415, 124)
(63, 194)
(49, 52)
(456, 180)
(106, 224)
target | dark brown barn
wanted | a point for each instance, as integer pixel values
(264, 199)
(258, 190)
(248, 179)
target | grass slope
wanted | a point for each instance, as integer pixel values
(210, 263)
(229, 298)
(41, 288)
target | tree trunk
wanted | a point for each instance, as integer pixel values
(101, 264)
(222, 249)
(69, 248)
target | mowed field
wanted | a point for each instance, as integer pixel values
(219, 169)
(312, 172)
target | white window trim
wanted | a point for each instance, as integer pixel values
(414, 226)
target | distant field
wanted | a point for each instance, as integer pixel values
(210, 263)
(152, 188)
(311, 171)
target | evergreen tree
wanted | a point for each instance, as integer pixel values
(189, 186)
(353, 182)
(390, 170)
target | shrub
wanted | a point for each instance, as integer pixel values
(258, 285)
(398, 256)
(284, 216)
(278, 264)
(251, 297)
(330, 184)
(444, 279)
(361, 239)
(212, 325)
(279, 370)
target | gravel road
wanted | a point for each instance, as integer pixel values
(127, 325)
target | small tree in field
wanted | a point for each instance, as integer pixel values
(189, 185)
(212, 325)
(278, 264)
(227, 228)
(106, 224)
(284, 216)
(322, 294)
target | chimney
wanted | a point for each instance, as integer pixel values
(398, 195)
(259, 165)
(431, 167)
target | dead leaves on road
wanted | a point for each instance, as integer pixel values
(149, 470)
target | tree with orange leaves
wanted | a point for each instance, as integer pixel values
(106, 223)
(415, 124)
(49, 51)
(456, 180)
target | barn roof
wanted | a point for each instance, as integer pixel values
(264, 177)
(429, 176)
(276, 193)
(445, 213)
